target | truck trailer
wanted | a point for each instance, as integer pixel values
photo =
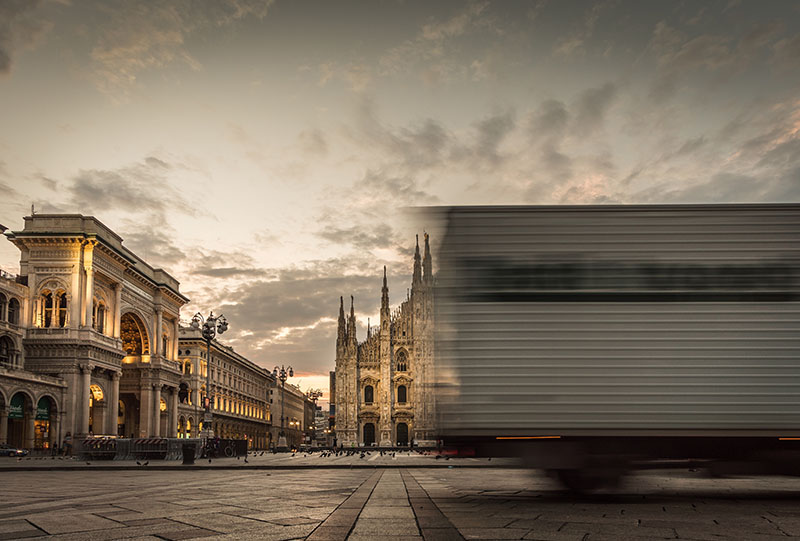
(594, 340)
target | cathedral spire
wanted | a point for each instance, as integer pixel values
(385, 313)
(341, 336)
(427, 263)
(417, 278)
(351, 324)
(384, 294)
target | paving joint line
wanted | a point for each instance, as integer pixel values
(317, 533)
(418, 489)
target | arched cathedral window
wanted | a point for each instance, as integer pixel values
(401, 363)
(369, 394)
(402, 394)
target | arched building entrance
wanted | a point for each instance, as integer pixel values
(402, 434)
(369, 434)
(20, 426)
(97, 409)
(45, 424)
(129, 415)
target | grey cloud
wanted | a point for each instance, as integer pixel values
(785, 154)
(291, 317)
(155, 244)
(48, 182)
(760, 36)
(379, 236)
(574, 43)
(428, 53)
(491, 132)
(135, 188)
(394, 190)
(787, 52)
(692, 145)
(155, 162)
(678, 54)
(558, 165)
(549, 120)
(227, 272)
(592, 106)
(420, 146)
(20, 27)
(152, 34)
(722, 188)
(304, 301)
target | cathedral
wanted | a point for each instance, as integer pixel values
(383, 392)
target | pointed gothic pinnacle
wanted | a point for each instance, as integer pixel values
(352, 309)
(384, 276)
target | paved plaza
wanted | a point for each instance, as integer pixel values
(362, 503)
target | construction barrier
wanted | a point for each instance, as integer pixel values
(97, 448)
(150, 448)
(175, 447)
(124, 449)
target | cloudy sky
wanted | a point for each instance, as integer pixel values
(264, 152)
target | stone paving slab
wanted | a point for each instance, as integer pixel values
(413, 503)
(266, 461)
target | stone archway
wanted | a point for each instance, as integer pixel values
(97, 409)
(45, 423)
(369, 434)
(20, 421)
(134, 336)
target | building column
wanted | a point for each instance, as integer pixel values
(157, 409)
(88, 292)
(117, 309)
(84, 394)
(3, 425)
(113, 404)
(54, 427)
(30, 428)
(172, 429)
(175, 341)
(87, 317)
(145, 411)
(157, 334)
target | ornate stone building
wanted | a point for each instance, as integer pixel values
(382, 388)
(29, 402)
(99, 328)
(239, 387)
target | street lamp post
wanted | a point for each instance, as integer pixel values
(211, 326)
(282, 374)
(314, 395)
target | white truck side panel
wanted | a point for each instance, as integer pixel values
(711, 344)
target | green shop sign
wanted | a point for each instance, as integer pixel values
(43, 409)
(15, 407)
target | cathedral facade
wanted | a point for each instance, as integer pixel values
(383, 385)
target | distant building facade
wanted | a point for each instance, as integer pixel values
(239, 389)
(293, 412)
(382, 394)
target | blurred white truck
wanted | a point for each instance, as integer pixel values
(592, 340)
